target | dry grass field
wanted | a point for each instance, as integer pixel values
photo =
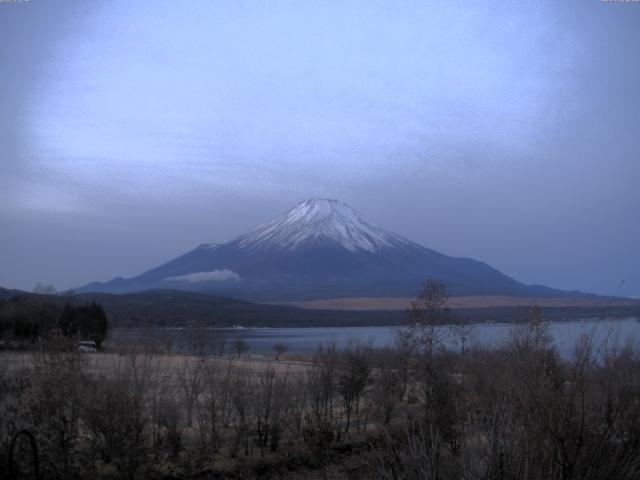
(171, 365)
(401, 303)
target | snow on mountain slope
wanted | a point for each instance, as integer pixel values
(319, 249)
(321, 220)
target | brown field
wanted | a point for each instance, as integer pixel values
(402, 303)
(106, 363)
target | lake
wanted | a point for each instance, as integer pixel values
(617, 332)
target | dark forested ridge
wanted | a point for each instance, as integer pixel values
(177, 308)
(26, 318)
(180, 308)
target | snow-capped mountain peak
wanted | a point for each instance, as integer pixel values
(321, 220)
(319, 249)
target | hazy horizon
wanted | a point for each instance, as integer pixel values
(132, 132)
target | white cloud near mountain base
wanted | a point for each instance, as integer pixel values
(213, 276)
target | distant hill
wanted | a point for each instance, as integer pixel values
(321, 249)
(179, 308)
(6, 293)
(174, 308)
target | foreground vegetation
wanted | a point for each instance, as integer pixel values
(418, 411)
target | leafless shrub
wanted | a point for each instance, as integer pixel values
(14, 389)
(218, 341)
(322, 384)
(388, 392)
(240, 347)
(169, 419)
(298, 404)
(242, 413)
(353, 377)
(117, 416)
(190, 381)
(279, 349)
(196, 341)
(408, 453)
(214, 409)
(52, 408)
(271, 407)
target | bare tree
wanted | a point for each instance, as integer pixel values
(322, 385)
(353, 378)
(53, 407)
(243, 414)
(215, 410)
(280, 348)
(240, 346)
(388, 390)
(190, 380)
(428, 312)
(117, 416)
(271, 406)
(218, 340)
(196, 340)
(169, 418)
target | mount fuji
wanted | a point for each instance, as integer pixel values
(320, 249)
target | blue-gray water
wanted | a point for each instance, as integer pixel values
(616, 332)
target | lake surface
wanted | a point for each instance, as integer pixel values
(617, 332)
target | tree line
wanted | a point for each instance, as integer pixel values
(25, 319)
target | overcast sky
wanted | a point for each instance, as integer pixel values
(132, 131)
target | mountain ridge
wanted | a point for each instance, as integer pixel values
(320, 248)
